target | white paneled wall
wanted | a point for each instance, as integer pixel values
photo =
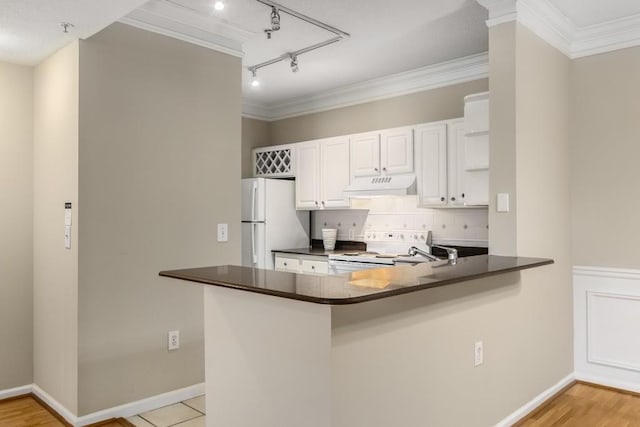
(607, 326)
(455, 226)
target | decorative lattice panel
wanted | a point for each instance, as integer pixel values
(273, 162)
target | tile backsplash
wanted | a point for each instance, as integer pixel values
(464, 226)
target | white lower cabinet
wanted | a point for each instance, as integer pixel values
(301, 263)
(322, 174)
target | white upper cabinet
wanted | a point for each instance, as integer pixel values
(476, 150)
(396, 151)
(365, 154)
(334, 172)
(388, 152)
(431, 164)
(307, 175)
(455, 163)
(322, 173)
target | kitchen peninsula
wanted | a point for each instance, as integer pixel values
(286, 349)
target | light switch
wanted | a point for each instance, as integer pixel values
(503, 202)
(67, 237)
(223, 232)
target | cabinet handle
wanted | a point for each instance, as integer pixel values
(375, 169)
(316, 202)
(384, 169)
(453, 199)
(285, 264)
(313, 267)
(323, 203)
(442, 199)
(462, 195)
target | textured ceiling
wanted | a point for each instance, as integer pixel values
(30, 29)
(386, 37)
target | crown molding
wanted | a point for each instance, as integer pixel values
(447, 73)
(188, 25)
(548, 23)
(608, 36)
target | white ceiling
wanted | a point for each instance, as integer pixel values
(30, 29)
(387, 38)
(591, 12)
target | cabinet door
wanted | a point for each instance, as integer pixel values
(455, 162)
(365, 154)
(307, 175)
(334, 172)
(431, 161)
(396, 151)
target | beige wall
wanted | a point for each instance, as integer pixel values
(16, 224)
(255, 133)
(422, 107)
(524, 319)
(159, 155)
(605, 124)
(502, 122)
(55, 268)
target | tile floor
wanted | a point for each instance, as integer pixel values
(190, 413)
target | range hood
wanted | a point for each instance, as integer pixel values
(377, 186)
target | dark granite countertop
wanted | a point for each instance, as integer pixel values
(359, 286)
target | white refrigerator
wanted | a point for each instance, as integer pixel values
(270, 221)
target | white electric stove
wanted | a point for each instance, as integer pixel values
(383, 250)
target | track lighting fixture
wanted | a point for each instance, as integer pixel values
(254, 78)
(294, 63)
(218, 5)
(275, 19)
(292, 56)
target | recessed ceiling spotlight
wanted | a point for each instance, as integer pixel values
(218, 5)
(254, 79)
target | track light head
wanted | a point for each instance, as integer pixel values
(294, 63)
(254, 78)
(268, 33)
(275, 19)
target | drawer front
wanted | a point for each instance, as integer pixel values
(287, 264)
(319, 267)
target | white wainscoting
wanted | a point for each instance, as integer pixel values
(607, 326)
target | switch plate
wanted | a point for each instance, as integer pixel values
(223, 232)
(478, 354)
(503, 202)
(67, 237)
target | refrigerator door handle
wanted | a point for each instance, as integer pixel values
(254, 255)
(254, 194)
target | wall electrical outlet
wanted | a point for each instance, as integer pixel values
(173, 340)
(478, 354)
(223, 232)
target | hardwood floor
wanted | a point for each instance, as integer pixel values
(28, 412)
(581, 405)
(587, 405)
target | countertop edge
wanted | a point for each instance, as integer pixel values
(359, 299)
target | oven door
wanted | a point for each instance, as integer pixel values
(340, 267)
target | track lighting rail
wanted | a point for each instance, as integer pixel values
(276, 7)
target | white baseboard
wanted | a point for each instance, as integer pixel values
(54, 404)
(124, 411)
(16, 391)
(608, 382)
(144, 405)
(530, 406)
